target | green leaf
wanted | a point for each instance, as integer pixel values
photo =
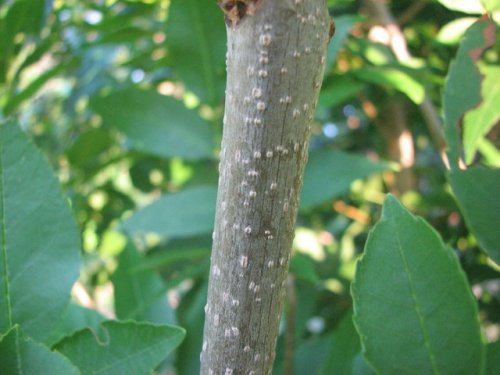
(156, 124)
(33, 87)
(465, 6)
(21, 16)
(479, 121)
(330, 173)
(302, 266)
(344, 347)
(197, 45)
(187, 213)
(341, 88)
(139, 294)
(39, 240)
(127, 348)
(453, 32)
(87, 151)
(22, 356)
(493, 359)
(74, 319)
(476, 191)
(309, 355)
(395, 78)
(343, 26)
(413, 307)
(463, 83)
(491, 5)
(192, 315)
(360, 367)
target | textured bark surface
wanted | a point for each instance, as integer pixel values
(275, 67)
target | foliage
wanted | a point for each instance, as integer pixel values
(125, 100)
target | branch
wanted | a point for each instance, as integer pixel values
(275, 61)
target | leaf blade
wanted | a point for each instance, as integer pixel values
(39, 239)
(425, 319)
(23, 356)
(475, 191)
(156, 124)
(129, 348)
(330, 173)
(183, 214)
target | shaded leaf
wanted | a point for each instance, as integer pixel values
(413, 307)
(479, 121)
(183, 214)
(343, 26)
(343, 348)
(197, 46)
(39, 240)
(461, 94)
(125, 348)
(341, 88)
(330, 173)
(302, 266)
(139, 294)
(22, 356)
(75, 318)
(192, 315)
(156, 124)
(476, 191)
(493, 358)
(360, 366)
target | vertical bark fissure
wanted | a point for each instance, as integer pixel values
(274, 71)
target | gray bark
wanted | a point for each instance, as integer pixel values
(275, 65)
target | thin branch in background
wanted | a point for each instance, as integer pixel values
(410, 12)
(398, 45)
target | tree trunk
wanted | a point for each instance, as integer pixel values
(276, 53)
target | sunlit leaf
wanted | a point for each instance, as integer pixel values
(476, 190)
(196, 43)
(479, 121)
(463, 83)
(187, 213)
(156, 124)
(491, 5)
(22, 356)
(39, 240)
(465, 6)
(125, 348)
(330, 173)
(413, 307)
(453, 31)
(393, 78)
(20, 17)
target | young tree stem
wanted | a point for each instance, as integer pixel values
(275, 63)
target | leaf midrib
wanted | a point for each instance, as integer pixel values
(420, 316)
